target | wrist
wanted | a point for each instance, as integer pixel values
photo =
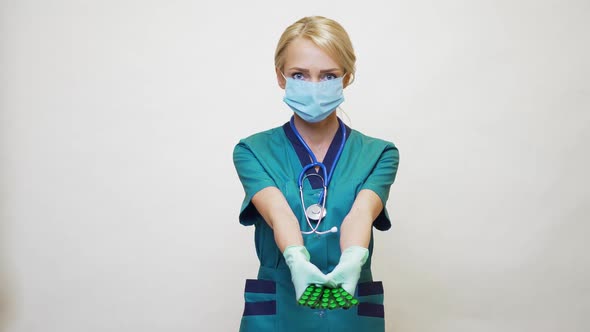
(356, 254)
(295, 253)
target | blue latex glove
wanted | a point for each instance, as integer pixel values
(348, 271)
(303, 273)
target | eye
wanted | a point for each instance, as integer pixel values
(329, 76)
(298, 76)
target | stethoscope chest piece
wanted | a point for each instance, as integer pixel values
(315, 212)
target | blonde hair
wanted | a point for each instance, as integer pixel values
(326, 34)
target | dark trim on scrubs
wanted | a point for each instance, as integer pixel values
(371, 310)
(305, 159)
(260, 286)
(370, 288)
(260, 308)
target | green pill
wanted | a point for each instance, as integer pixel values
(322, 297)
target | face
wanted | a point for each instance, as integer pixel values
(305, 61)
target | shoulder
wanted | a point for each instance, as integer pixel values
(366, 142)
(262, 138)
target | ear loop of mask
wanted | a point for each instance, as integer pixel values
(339, 108)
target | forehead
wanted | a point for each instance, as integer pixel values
(303, 53)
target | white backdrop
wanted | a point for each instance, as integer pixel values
(119, 199)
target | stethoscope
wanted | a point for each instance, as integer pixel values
(317, 211)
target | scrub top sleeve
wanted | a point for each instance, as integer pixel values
(253, 177)
(380, 180)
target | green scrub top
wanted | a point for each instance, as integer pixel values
(269, 158)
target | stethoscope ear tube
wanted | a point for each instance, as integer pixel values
(302, 174)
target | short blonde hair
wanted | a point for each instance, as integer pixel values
(326, 34)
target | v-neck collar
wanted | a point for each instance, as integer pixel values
(304, 157)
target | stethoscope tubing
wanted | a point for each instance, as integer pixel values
(327, 176)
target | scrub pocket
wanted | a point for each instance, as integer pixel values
(260, 307)
(368, 315)
(370, 310)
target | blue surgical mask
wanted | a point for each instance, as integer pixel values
(313, 101)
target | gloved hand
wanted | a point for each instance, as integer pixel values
(303, 273)
(348, 271)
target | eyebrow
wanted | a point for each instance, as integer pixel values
(321, 71)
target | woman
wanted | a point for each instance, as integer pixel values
(314, 191)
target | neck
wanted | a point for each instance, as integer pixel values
(319, 133)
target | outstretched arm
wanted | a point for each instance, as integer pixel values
(275, 210)
(356, 226)
(273, 207)
(354, 240)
